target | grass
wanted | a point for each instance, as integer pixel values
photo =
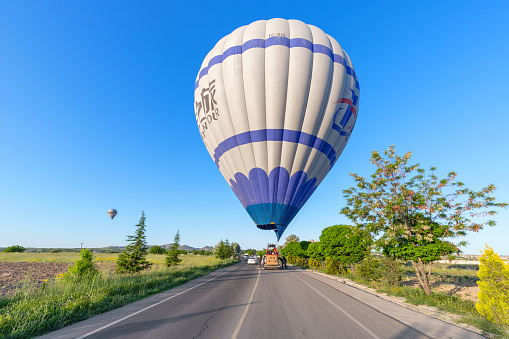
(449, 303)
(70, 257)
(34, 311)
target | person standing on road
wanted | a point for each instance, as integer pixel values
(284, 263)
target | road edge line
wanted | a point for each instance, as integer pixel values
(149, 307)
(339, 308)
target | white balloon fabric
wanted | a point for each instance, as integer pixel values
(275, 103)
(112, 213)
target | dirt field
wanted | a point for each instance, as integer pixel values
(466, 289)
(12, 274)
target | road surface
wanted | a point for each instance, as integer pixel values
(243, 301)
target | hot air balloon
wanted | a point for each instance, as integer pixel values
(112, 213)
(275, 103)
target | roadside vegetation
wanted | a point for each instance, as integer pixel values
(409, 217)
(94, 285)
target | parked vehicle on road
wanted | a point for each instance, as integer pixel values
(252, 261)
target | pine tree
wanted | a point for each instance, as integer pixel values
(172, 258)
(133, 259)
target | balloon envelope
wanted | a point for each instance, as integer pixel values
(275, 103)
(112, 213)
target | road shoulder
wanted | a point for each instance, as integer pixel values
(416, 316)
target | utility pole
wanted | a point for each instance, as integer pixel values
(81, 244)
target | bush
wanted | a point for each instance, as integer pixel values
(332, 266)
(368, 269)
(84, 266)
(15, 249)
(157, 250)
(390, 271)
(315, 263)
(494, 288)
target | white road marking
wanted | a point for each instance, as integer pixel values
(241, 321)
(148, 307)
(339, 308)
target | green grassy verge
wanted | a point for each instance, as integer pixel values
(32, 312)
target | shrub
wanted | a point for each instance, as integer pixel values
(494, 287)
(332, 266)
(390, 271)
(315, 263)
(369, 270)
(83, 267)
(15, 249)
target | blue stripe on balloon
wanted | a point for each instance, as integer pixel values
(277, 41)
(273, 200)
(274, 135)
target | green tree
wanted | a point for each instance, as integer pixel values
(172, 257)
(133, 259)
(236, 250)
(493, 287)
(304, 245)
(223, 249)
(315, 251)
(83, 267)
(411, 213)
(345, 244)
(293, 249)
(289, 239)
(156, 249)
(15, 249)
(261, 253)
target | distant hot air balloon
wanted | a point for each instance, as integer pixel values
(112, 213)
(275, 103)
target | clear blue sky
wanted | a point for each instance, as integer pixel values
(96, 112)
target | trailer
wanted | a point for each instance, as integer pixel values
(271, 258)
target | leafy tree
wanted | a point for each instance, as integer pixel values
(294, 249)
(345, 244)
(289, 239)
(261, 253)
(304, 245)
(15, 249)
(315, 251)
(411, 213)
(223, 249)
(236, 250)
(133, 259)
(172, 257)
(83, 267)
(494, 287)
(156, 249)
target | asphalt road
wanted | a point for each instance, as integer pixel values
(243, 301)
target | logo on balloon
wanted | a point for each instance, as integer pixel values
(206, 109)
